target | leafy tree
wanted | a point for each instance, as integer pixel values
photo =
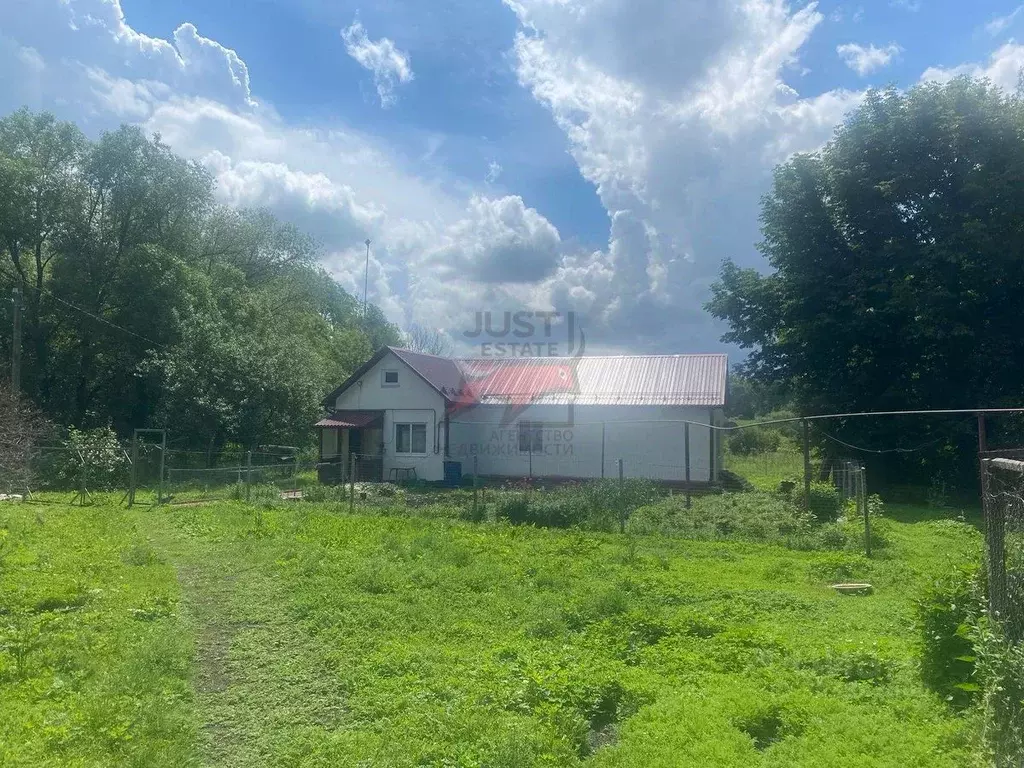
(39, 187)
(149, 305)
(898, 282)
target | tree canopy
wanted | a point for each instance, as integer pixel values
(898, 258)
(147, 304)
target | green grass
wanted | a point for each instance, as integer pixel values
(766, 470)
(235, 635)
(95, 666)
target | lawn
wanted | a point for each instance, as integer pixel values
(253, 635)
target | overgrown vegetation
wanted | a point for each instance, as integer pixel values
(968, 659)
(405, 637)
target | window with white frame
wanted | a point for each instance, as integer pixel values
(410, 438)
(390, 379)
(531, 437)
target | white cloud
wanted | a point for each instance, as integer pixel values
(913, 6)
(675, 111)
(680, 152)
(867, 59)
(499, 241)
(389, 65)
(1004, 68)
(74, 36)
(1000, 24)
(84, 61)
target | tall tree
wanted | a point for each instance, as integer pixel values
(149, 305)
(898, 257)
(39, 187)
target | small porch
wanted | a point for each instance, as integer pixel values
(348, 434)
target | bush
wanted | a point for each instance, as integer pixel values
(825, 502)
(107, 464)
(944, 612)
(753, 440)
(852, 524)
(999, 665)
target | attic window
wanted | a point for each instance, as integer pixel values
(390, 378)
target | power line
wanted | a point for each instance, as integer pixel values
(875, 450)
(83, 311)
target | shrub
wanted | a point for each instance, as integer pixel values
(105, 459)
(852, 525)
(825, 501)
(999, 664)
(752, 440)
(943, 613)
(22, 428)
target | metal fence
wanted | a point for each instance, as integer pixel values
(1002, 480)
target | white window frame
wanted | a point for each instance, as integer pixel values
(536, 437)
(410, 425)
(384, 378)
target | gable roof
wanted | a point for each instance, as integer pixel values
(441, 373)
(696, 380)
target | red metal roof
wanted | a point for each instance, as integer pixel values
(698, 380)
(350, 419)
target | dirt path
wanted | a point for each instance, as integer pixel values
(258, 674)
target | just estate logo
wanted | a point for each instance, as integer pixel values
(526, 359)
(526, 334)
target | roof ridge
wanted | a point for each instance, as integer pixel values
(414, 352)
(534, 358)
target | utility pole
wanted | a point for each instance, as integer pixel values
(16, 341)
(366, 280)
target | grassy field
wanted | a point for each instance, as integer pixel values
(235, 635)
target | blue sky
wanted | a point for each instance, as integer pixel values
(596, 156)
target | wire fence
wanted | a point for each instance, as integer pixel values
(1003, 495)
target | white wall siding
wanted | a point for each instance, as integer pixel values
(648, 439)
(412, 401)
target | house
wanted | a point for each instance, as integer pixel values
(405, 414)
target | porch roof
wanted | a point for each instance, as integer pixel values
(350, 419)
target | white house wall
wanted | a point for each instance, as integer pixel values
(412, 401)
(649, 440)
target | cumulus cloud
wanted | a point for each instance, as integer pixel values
(499, 241)
(81, 37)
(676, 112)
(680, 155)
(867, 59)
(1004, 68)
(390, 66)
